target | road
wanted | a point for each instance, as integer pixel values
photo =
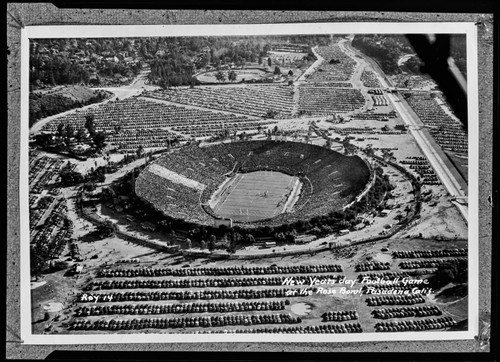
(133, 89)
(415, 125)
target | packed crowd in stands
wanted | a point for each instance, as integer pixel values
(186, 322)
(369, 79)
(372, 265)
(220, 271)
(422, 167)
(405, 299)
(194, 283)
(251, 100)
(336, 66)
(415, 325)
(179, 201)
(318, 100)
(405, 312)
(446, 130)
(335, 178)
(248, 293)
(340, 316)
(406, 254)
(434, 263)
(222, 307)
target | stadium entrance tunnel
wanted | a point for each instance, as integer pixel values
(254, 196)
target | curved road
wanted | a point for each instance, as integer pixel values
(133, 89)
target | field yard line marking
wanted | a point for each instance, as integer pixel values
(234, 186)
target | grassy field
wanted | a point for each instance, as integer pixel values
(255, 196)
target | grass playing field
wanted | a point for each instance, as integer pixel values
(256, 196)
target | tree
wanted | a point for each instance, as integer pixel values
(290, 73)
(249, 238)
(89, 123)
(97, 175)
(61, 130)
(232, 76)
(80, 134)
(140, 151)
(220, 76)
(99, 141)
(269, 62)
(106, 229)
(277, 70)
(44, 139)
(211, 243)
(69, 131)
(70, 177)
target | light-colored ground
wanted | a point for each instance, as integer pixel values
(317, 303)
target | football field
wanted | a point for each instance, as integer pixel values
(256, 195)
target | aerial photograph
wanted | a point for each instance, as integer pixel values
(260, 184)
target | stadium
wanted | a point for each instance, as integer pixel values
(253, 182)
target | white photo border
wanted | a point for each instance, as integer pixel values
(136, 31)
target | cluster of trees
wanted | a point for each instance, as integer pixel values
(73, 61)
(454, 271)
(173, 60)
(221, 76)
(385, 49)
(70, 177)
(45, 105)
(42, 263)
(56, 70)
(66, 134)
(173, 71)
